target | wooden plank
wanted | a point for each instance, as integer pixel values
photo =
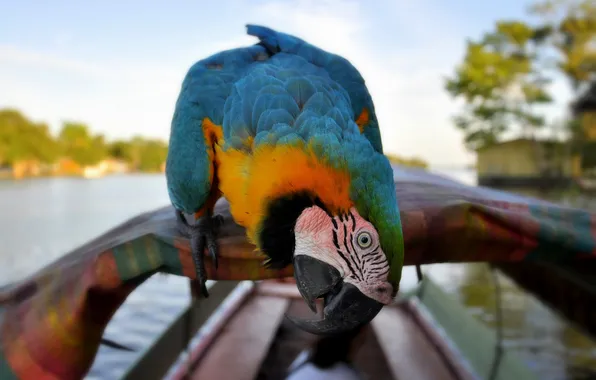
(155, 362)
(409, 353)
(209, 332)
(239, 351)
(365, 351)
(278, 289)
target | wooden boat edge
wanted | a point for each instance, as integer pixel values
(428, 306)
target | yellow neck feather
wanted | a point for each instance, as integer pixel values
(249, 180)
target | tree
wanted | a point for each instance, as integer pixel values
(22, 139)
(415, 162)
(136, 151)
(80, 145)
(121, 150)
(572, 25)
(141, 154)
(153, 155)
(500, 82)
(572, 32)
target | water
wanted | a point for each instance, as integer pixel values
(43, 218)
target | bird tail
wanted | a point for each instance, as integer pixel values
(272, 40)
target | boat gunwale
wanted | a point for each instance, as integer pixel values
(455, 363)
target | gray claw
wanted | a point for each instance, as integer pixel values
(202, 233)
(212, 247)
(218, 221)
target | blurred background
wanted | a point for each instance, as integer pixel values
(499, 94)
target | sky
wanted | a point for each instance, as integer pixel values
(118, 65)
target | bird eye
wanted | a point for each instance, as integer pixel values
(364, 239)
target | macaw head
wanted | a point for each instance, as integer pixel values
(343, 257)
(339, 258)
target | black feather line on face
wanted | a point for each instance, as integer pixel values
(277, 238)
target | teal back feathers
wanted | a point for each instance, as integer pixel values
(285, 91)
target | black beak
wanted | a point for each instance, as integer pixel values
(314, 278)
(346, 308)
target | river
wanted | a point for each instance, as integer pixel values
(41, 219)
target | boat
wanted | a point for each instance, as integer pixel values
(52, 323)
(417, 337)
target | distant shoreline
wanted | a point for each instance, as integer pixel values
(9, 177)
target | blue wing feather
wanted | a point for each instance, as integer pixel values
(345, 78)
(262, 91)
(205, 93)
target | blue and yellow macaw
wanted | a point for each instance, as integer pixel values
(287, 133)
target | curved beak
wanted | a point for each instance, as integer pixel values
(345, 307)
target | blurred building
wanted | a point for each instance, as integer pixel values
(543, 162)
(527, 162)
(66, 166)
(21, 169)
(584, 110)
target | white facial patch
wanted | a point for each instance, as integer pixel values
(357, 244)
(312, 245)
(349, 243)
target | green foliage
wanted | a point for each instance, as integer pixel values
(572, 26)
(79, 145)
(411, 162)
(120, 150)
(515, 58)
(153, 155)
(141, 154)
(500, 83)
(22, 139)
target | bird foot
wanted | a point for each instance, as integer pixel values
(203, 233)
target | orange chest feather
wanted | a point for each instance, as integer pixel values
(249, 179)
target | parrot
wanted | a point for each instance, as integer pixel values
(287, 133)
